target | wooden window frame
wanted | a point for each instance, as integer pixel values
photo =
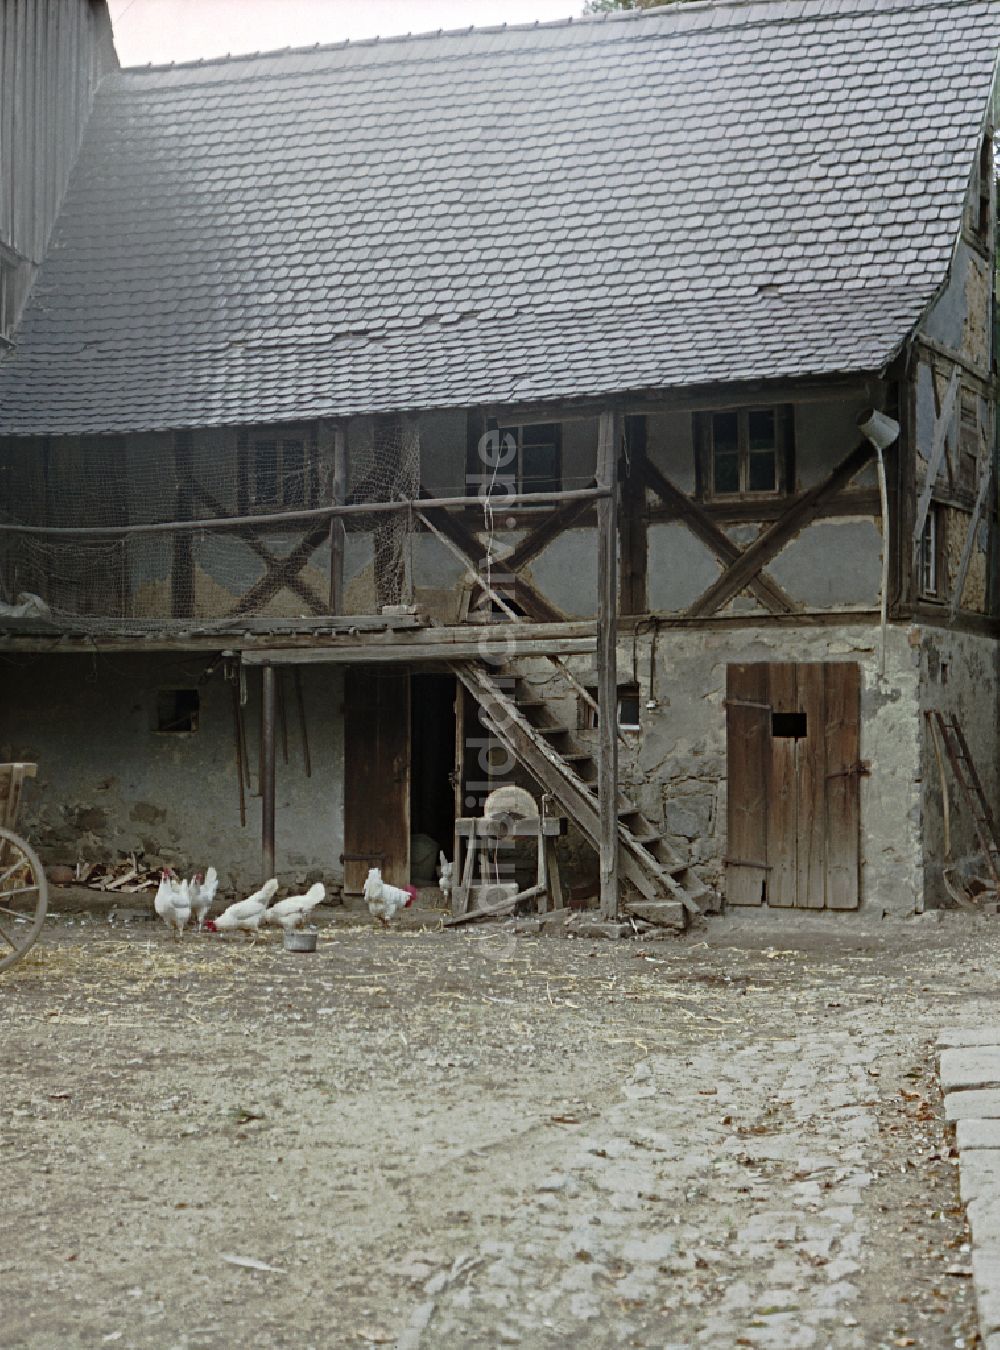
(518, 432)
(968, 438)
(784, 459)
(251, 441)
(587, 714)
(931, 557)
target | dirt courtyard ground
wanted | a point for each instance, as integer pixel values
(457, 1139)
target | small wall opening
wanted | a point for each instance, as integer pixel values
(177, 710)
(788, 726)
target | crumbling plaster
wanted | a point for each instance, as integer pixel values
(675, 768)
(109, 783)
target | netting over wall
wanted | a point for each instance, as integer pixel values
(216, 572)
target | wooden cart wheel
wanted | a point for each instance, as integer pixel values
(24, 897)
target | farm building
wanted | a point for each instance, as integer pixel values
(629, 380)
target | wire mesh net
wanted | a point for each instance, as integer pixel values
(243, 565)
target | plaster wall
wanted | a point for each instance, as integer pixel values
(675, 767)
(109, 783)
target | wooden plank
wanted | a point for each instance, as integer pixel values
(810, 780)
(609, 442)
(748, 750)
(985, 478)
(267, 770)
(419, 651)
(774, 538)
(632, 522)
(182, 566)
(338, 536)
(377, 784)
(782, 821)
(843, 784)
(942, 425)
(703, 527)
(281, 520)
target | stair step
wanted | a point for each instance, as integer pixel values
(557, 730)
(625, 811)
(577, 757)
(532, 702)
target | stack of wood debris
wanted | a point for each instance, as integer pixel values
(126, 876)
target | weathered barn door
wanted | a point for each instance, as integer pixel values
(793, 735)
(376, 776)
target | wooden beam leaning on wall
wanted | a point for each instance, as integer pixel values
(768, 592)
(772, 540)
(609, 442)
(182, 567)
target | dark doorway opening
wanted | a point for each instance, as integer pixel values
(432, 759)
(790, 725)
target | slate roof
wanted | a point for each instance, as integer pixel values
(709, 192)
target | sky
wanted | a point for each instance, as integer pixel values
(188, 30)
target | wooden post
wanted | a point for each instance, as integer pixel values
(267, 720)
(337, 533)
(182, 570)
(608, 445)
(632, 518)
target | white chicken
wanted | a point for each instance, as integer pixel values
(201, 891)
(245, 914)
(292, 912)
(172, 902)
(385, 901)
(446, 872)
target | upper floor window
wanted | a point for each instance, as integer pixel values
(930, 558)
(529, 457)
(277, 470)
(746, 451)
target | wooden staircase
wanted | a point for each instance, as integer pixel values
(551, 752)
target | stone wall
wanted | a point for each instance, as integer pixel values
(675, 767)
(110, 783)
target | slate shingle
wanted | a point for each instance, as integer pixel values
(547, 212)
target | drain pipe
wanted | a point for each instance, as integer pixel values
(882, 431)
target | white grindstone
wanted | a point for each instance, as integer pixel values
(977, 1134)
(962, 1036)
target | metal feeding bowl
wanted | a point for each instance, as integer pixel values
(298, 941)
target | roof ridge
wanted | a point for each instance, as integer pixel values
(804, 10)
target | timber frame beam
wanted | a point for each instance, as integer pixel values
(802, 510)
(767, 591)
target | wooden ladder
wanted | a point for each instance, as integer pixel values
(553, 759)
(956, 747)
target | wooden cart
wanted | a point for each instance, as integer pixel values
(24, 891)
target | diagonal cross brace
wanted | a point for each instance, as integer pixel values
(767, 591)
(294, 583)
(771, 541)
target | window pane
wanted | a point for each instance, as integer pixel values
(293, 473)
(265, 472)
(540, 467)
(762, 472)
(725, 431)
(726, 472)
(761, 429)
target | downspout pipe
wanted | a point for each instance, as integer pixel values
(882, 431)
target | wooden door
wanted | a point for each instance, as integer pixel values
(376, 776)
(793, 734)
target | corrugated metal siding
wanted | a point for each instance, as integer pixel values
(53, 54)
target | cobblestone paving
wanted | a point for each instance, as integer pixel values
(446, 1141)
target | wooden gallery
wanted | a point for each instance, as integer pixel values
(603, 409)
